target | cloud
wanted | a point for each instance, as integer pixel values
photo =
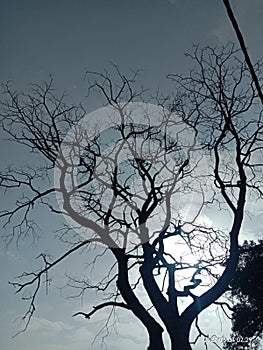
(57, 335)
(45, 325)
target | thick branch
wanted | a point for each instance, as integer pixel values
(153, 327)
(243, 48)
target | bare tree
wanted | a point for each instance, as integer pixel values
(139, 179)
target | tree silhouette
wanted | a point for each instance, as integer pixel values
(139, 177)
(246, 291)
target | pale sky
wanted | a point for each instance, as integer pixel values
(64, 38)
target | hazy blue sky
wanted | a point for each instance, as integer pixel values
(64, 38)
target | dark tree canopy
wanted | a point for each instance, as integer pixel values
(247, 293)
(138, 177)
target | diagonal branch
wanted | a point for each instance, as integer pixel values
(37, 279)
(243, 47)
(49, 266)
(101, 306)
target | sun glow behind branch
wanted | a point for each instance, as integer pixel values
(198, 256)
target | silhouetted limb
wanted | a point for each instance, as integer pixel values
(101, 306)
(243, 48)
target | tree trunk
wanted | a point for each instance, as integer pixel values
(180, 339)
(180, 344)
(156, 341)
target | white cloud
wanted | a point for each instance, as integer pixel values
(45, 325)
